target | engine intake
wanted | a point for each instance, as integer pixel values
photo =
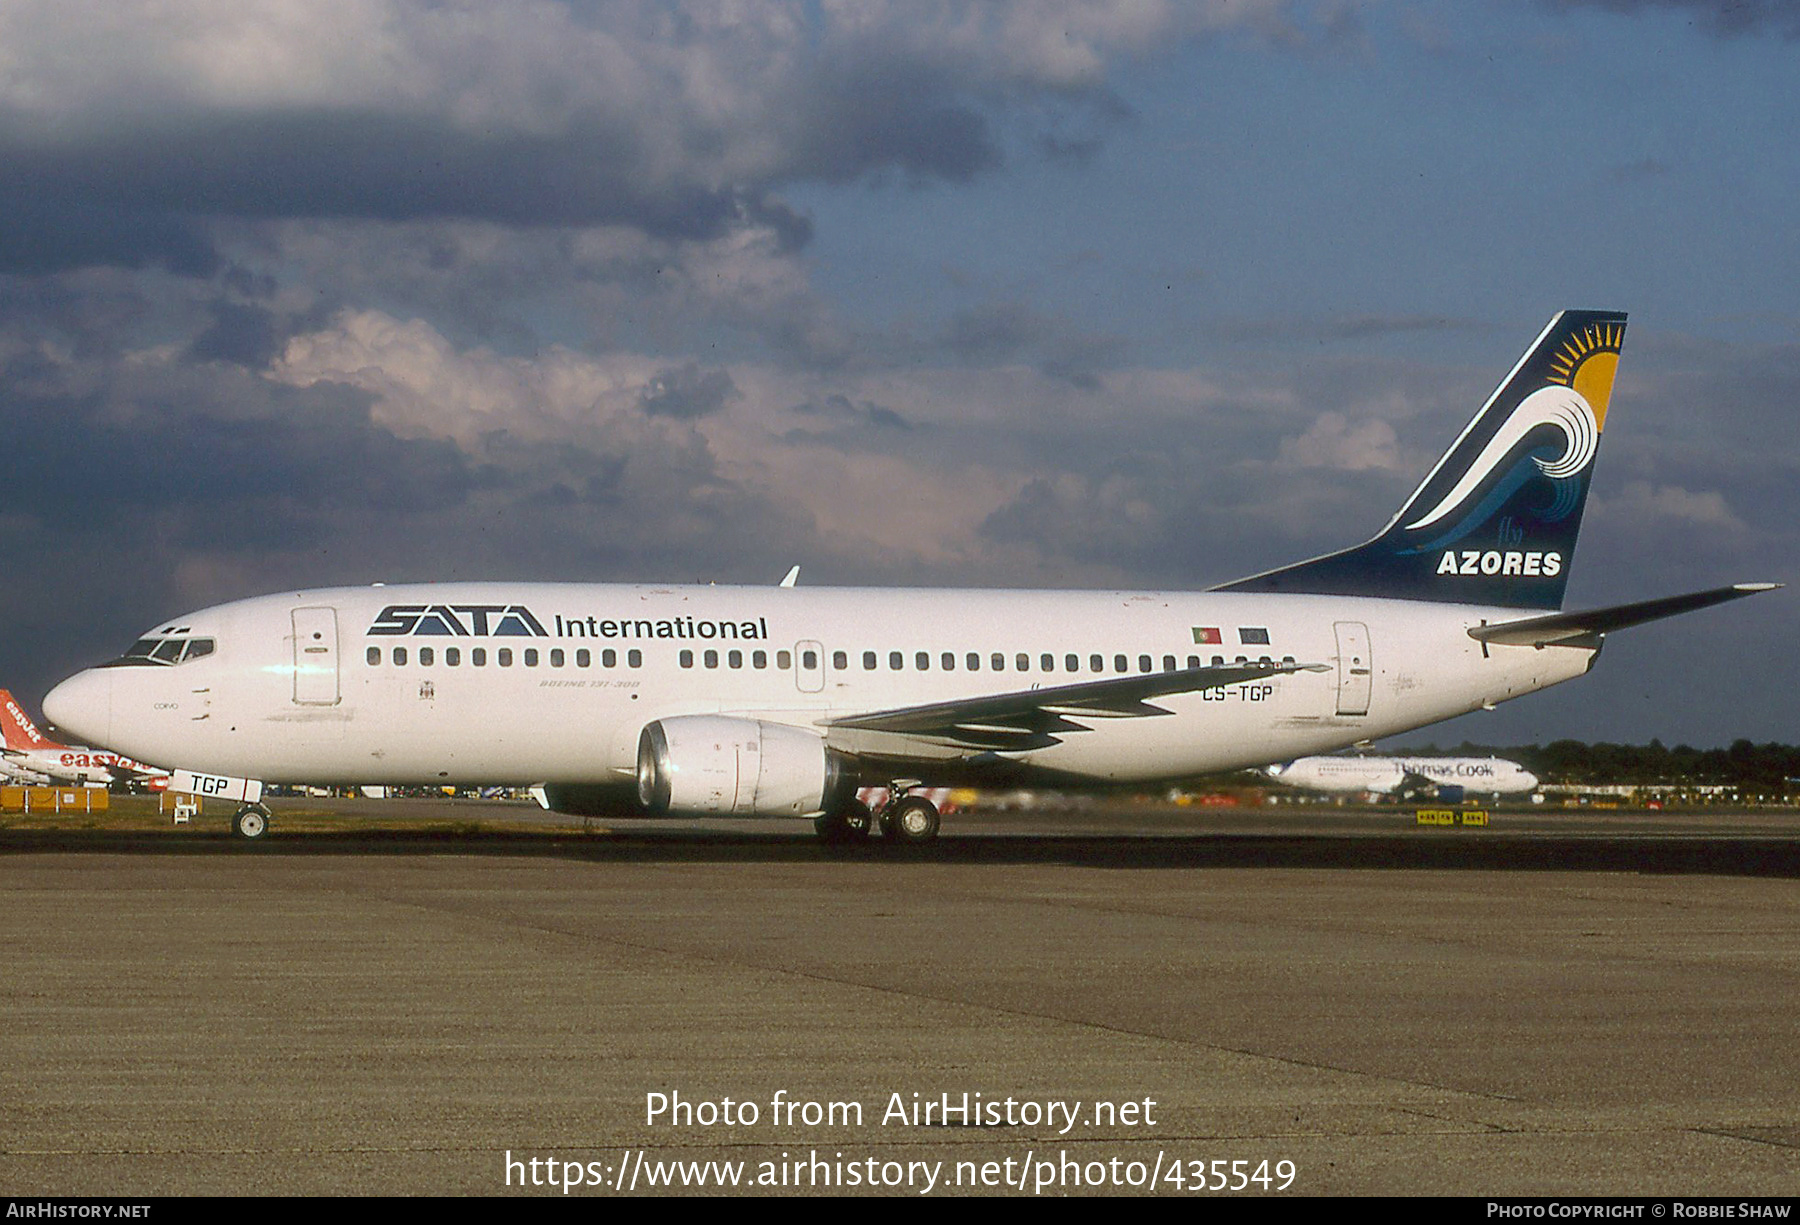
(739, 767)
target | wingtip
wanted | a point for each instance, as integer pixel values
(1753, 588)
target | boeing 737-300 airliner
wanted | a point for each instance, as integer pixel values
(782, 701)
(1404, 775)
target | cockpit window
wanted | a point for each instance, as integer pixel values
(161, 652)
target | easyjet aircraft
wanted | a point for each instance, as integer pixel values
(782, 701)
(33, 757)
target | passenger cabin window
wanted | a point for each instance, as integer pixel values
(710, 659)
(531, 657)
(1024, 661)
(868, 661)
(809, 660)
(735, 659)
(374, 656)
(635, 658)
(999, 662)
(427, 656)
(687, 659)
(453, 656)
(759, 659)
(948, 660)
(400, 656)
(784, 660)
(839, 660)
(609, 658)
(896, 661)
(584, 658)
(556, 657)
(923, 660)
(478, 656)
(503, 657)
(974, 662)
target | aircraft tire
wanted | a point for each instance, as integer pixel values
(250, 822)
(848, 824)
(910, 821)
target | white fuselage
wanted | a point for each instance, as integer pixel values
(73, 764)
(12, 772)
(1485, 775)
(297, 687)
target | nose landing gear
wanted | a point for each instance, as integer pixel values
(250, 822)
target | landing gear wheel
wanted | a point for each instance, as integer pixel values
(911, 820)
(848, 824)
(250, 822)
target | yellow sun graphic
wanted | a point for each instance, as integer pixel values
(1587, 362)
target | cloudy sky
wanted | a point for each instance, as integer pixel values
(304, 292)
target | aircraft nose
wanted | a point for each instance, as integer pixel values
(82, 705)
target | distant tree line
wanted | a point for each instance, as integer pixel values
(1751, 767)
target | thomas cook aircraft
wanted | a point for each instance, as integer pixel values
(1403, 775)
(782, 701)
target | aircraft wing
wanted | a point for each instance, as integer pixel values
(1036, 718)
(1571, 629)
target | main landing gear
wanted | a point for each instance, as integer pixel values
(904, 820)
(250, 822)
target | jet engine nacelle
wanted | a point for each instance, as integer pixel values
(739, 767)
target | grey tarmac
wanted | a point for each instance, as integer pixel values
(1564, 1003)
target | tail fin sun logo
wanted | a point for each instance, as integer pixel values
(1574, 403)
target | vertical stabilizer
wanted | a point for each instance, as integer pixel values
(21, 734)
(1495, 522)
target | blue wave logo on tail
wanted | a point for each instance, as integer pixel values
(1496, 520)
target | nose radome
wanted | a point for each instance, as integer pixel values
(82, 706)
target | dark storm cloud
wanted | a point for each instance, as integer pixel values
(686, 392)
(216, 460)
(1747, 17)
(245, 334)
(1340, 327)
(998, 332)
(45, 230)
(838, 421)
(361, 165)
(841, 408)
(676, 120)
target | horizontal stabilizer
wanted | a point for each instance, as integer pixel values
(1568, 628)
